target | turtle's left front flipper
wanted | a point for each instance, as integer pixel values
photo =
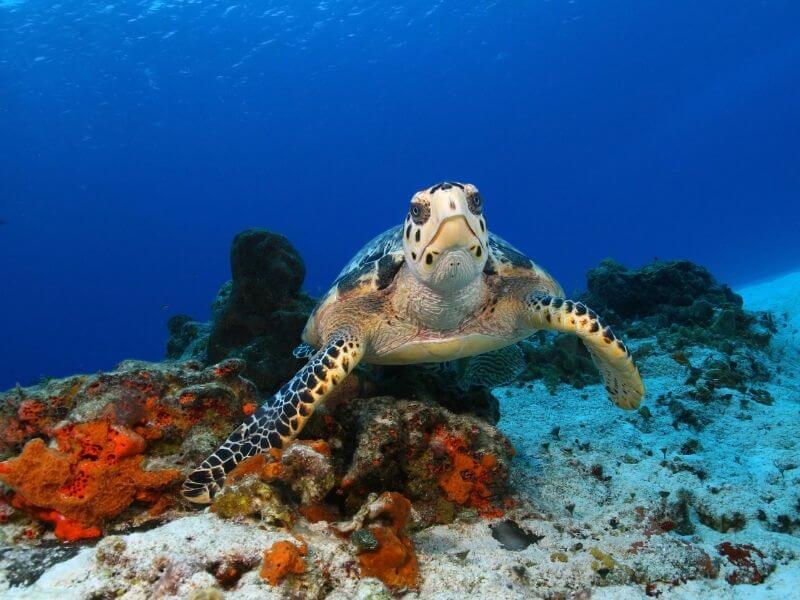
(621, 377)
(281, 418)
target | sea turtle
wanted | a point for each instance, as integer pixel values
(438, 287)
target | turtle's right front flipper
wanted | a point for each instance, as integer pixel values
(280, 419)
(620, 375)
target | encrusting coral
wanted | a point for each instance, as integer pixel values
(747, 564)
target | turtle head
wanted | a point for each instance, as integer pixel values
(445, 239)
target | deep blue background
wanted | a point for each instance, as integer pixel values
(136, 138)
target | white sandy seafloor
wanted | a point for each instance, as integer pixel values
(748, 453)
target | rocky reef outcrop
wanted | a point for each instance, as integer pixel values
(98, 455)
(678, 309)
(678, 301)
(83, 452)
(257, 316)
(95, 455)
(670, 306)
(444, 462)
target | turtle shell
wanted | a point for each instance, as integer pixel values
(506, 261)
(375, 266)
(372, 269)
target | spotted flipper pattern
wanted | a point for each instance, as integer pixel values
(622, 380)
(304, 350)
(280, 419)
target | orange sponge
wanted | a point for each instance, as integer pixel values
(94, 475)
(394, 561)
(282, 559)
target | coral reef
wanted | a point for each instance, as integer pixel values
(119, 441)
(94, 475)
(678, 299)
(676, 307)
(257, 316)
(666, 288)
(115, 438)
(404, 482)
(443, 462)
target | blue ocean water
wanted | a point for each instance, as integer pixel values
(137, 138)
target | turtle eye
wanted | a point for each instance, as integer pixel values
(419, 212)
(475, 203)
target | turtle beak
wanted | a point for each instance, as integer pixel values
(454, 233)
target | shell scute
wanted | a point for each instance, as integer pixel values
(506, 261)
(375, 265)
(503, 255)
